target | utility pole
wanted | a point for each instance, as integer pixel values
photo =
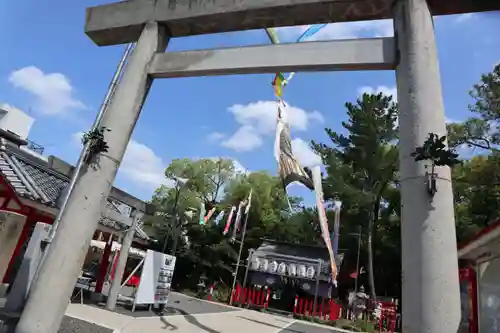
(51, 291)
(116, 285)
(239, 257)
(430, 293)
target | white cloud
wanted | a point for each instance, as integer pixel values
(143, 167)
(215, 137)
(348, 30)
(304, 154)
(388, 91)
(244, 139)
(258, 119)
(53, 92)
(140, 165)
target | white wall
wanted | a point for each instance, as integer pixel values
(14, 120)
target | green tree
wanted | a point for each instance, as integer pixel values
(482, 131)
(477, 194)
(473, 133)
(202, 181)
(362, 164)
(486, 95)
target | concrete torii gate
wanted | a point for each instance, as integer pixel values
(430, 274)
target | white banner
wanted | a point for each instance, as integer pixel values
(156, 278)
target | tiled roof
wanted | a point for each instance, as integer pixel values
(33, 180)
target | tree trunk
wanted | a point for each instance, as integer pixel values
(373, 216)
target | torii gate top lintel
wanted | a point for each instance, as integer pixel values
(122, 22)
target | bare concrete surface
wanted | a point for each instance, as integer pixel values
(122, 22)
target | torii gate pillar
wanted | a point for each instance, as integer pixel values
(431, 298)
(52, 289)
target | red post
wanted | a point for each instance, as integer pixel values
(210, 294)
(393, 321)
(311, 308)
(325, 309)
(267, 298)
(332, 310)
(103, 267)
(301, 306)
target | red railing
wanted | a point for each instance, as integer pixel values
(326, 309)
(252, 296)
(259, 297)
(388, 316)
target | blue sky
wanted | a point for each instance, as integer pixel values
(50, 69)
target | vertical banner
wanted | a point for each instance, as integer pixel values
(219, 217)
(209, 215)
(323, 221)
(202, 213)
(336, 227)
(237, 221)
(229, 220)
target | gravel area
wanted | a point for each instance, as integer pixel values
(73, 325)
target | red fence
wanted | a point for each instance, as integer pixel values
(252, 296)
(326, 309)
(388, 316)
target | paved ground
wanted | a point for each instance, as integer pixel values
(178, 304)
(189, 315)
(184, 315)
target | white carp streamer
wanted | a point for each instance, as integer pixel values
(323, 221)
